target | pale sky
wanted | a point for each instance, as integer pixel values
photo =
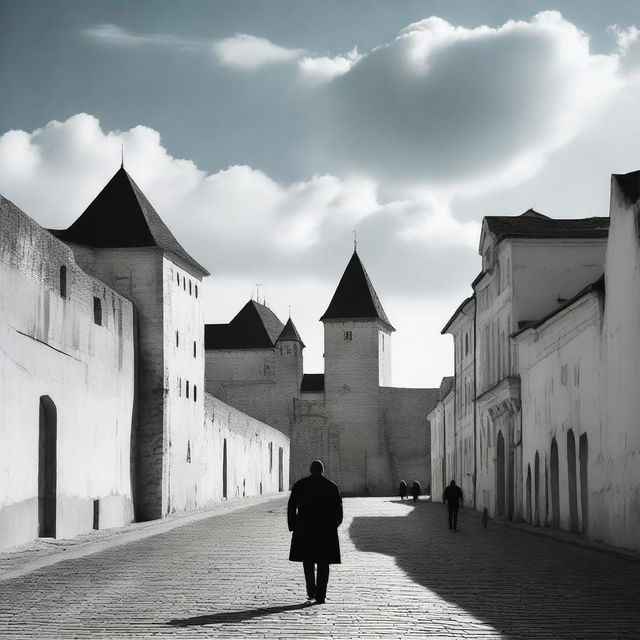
(266, 133)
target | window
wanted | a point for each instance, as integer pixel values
(189, 451)
(194, 348)
(466, 344)
(270, 457)
(195, 393)
(178, 278)
(196, 291)
(348, 335)
(187, 388)
(63, 281)
(97, 311)
(184, 283)
(177, 339)
(179, 386)
(189, 287)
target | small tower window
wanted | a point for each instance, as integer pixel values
(188, 450)
(179, 386)
(348, 335)
(177, 338)
(97, 311)
(189, 287)
(63, 281)
(466, 344)
(184, 283)
(196, 291)
(194, 348)
(187, 388)
(178, 278)
(195, 393)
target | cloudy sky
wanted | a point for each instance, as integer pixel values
(266, 133)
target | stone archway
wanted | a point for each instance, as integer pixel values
(555, 485)
(500, 476)
(572, 481)
(583, 455)
(47, 468)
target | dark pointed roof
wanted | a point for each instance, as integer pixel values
(121, 216)
(290, 333)
(532, 224)
(255, 326)
(355, 296)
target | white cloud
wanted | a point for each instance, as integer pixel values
(323, 69)
(247, 52)
(115, 35)
(460, 110)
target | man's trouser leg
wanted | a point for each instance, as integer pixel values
(450, 517)
(310, 577)
(323, 579)
(455, 517)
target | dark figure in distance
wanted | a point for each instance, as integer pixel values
(403, 489)
(415, 490)
(485, 517)
(453, 497)
(314, 514)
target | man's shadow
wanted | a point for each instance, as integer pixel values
(235, 616)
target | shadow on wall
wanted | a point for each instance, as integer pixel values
(522, 584)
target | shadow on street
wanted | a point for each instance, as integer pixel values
(235, 616)
(523, 585)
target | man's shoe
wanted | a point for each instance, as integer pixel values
(319, 600)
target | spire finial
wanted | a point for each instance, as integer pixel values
(355, 240)
(289, 312)
(122, 155)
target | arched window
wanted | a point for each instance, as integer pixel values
(63, 281)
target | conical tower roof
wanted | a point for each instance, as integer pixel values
(121, 216)
(290, 333)
(255, 326)
(355, 296)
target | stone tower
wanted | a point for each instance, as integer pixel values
(357, 352)
(121, 239)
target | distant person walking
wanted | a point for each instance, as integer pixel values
(403, 489)
(453, 497)
(314, 514)
(415, 490)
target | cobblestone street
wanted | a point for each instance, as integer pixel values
(403, 574)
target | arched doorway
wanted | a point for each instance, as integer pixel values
(555, 485)
(500, 502)
(528, 491)
(536, 490)
(572, 480)
(224, 469)
(47, 468)
(584, 486)
(280, 469)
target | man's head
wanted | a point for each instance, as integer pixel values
(453, 483)
(316, 468)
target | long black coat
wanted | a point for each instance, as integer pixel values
(314, 514)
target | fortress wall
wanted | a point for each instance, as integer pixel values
(404, 414)
(252, 452)
(50, 346)
(311, 438)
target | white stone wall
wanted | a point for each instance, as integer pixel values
(561, 398)
(253, 460)
(436, 422)
(621, 430)
(51, 346)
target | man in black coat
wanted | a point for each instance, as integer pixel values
(314, 514)
(453, 497)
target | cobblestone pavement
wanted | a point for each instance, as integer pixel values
(404, 574)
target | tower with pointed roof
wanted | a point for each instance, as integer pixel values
(122, 240)
(255, 363)
(357, 355)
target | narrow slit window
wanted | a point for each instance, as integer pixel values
(177, 338)
(196, 291)
(194, 348)
(187, 388)
(178, 278)
(63, 281)
(189, 287)
(97, 311)
(195, 393)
